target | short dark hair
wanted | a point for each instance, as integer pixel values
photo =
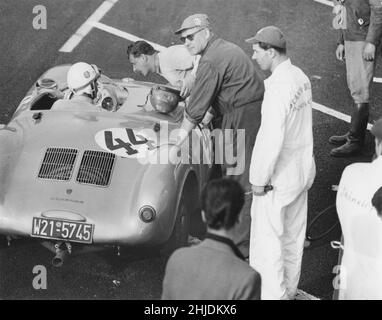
(140, 47)
(267, 46)
(376, 201)
(222, 200)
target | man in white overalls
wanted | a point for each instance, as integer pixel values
(361, 265)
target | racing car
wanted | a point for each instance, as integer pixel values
(82, 178)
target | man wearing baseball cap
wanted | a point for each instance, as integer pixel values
(357, 201)
(282, 168)
(228, 82)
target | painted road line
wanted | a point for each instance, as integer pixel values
(334, 113)
(86, 27)
(122, 34)
(325, 2)
(377, 80)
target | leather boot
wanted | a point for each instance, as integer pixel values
(339, 140)
(357, 132)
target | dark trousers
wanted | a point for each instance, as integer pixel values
(247, 118)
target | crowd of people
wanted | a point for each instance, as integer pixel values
(256, 218)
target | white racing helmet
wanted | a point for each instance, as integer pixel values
(81, 77)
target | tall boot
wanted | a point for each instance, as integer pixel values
(356, 136)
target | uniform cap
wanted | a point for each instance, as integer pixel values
(270, 35)
(199, 20)
(376, 130)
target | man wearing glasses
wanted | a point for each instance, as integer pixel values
(228, 83)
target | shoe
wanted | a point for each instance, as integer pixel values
(339, 140)
(356, 136)
(350, 148)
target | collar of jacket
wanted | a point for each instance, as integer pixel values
(283, 67)
(226, 241)
(209, 44)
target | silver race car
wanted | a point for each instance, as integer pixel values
(80, 178)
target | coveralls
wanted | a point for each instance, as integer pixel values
(282, 157)
(227, 80)
(361, 265)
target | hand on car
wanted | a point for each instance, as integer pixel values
(173, 156)
(369, 51)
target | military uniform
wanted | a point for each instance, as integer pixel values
(362, 25)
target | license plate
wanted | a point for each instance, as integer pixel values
(62, 230)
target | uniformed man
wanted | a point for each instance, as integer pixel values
(226, 80)
(174, 63)
(361, 265)
(282, 159)
(360, 33)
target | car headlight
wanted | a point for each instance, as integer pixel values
(147, 213)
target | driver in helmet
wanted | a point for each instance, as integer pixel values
(83, 87)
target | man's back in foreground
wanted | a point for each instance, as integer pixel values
(215, 269)
(191, 278)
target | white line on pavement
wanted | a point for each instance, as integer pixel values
(326, 2)
(86, 27)
(122, 34)
(378, 80)
(334, 113)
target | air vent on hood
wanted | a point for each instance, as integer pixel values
(58, 164)
(96, 168)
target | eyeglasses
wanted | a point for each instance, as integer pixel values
(189, 37)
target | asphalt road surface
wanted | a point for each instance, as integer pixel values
(27, 53)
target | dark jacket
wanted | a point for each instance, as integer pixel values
(363, 21)
(226, 79)
(209, 271)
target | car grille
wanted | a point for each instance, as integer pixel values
(58, 164)
(96, 168)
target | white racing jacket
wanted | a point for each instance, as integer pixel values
(361, 265)
(283, 152)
